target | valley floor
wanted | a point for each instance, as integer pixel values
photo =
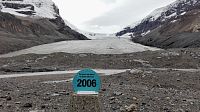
(112, 45)
(149, 81)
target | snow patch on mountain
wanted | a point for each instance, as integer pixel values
(30, 8)
(159, 16)
(162, 12)
(145, 33)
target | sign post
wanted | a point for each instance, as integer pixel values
(86, 84)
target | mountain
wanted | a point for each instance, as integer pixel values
(174, 26)
(33, 8)
(27, 23)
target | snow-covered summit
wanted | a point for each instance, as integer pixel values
(178, 7)
(160, 16)
(30, 8)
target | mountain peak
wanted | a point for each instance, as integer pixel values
(27, 23)
(160, 16)
(30, 8)
(173, 26)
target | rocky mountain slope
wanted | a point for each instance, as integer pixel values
(26, 23)
(174, 26)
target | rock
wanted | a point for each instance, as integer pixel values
(191, 103)
(3, 96)
(184, 100)
(166, 109)
(112, 102)
(136, 71)
(121, 83)
(134, 98)
(28, 105)
(47, 93)
(44, 106)
(167, 98)
(111, 98)
(148, 72)
(17, 102)
(143, 104)
(46, 98)
(8, 105)
(131, 108)
(64, 93)
(8, 98)
(55, 108)
(118, 93)
(37, 111)
(122, 109)
(179, 110)
(103, 89)
(55, 94)
(114, 108)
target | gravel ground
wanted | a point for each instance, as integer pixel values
(142, 89)
(173, 58)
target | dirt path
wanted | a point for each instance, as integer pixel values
(69, 73)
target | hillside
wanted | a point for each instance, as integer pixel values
(23, 24)
(173, 26)
(183, 33)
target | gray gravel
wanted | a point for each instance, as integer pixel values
(148, 87)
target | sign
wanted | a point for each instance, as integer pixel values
(86, 81)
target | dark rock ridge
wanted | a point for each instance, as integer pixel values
(19, 6)
(183, 33)
(19, 32)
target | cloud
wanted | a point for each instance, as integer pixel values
(100, 28)
(128, 12)
(78, 11)
(108, 15)
(109, 1)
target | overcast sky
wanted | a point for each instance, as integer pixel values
(106, 16)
